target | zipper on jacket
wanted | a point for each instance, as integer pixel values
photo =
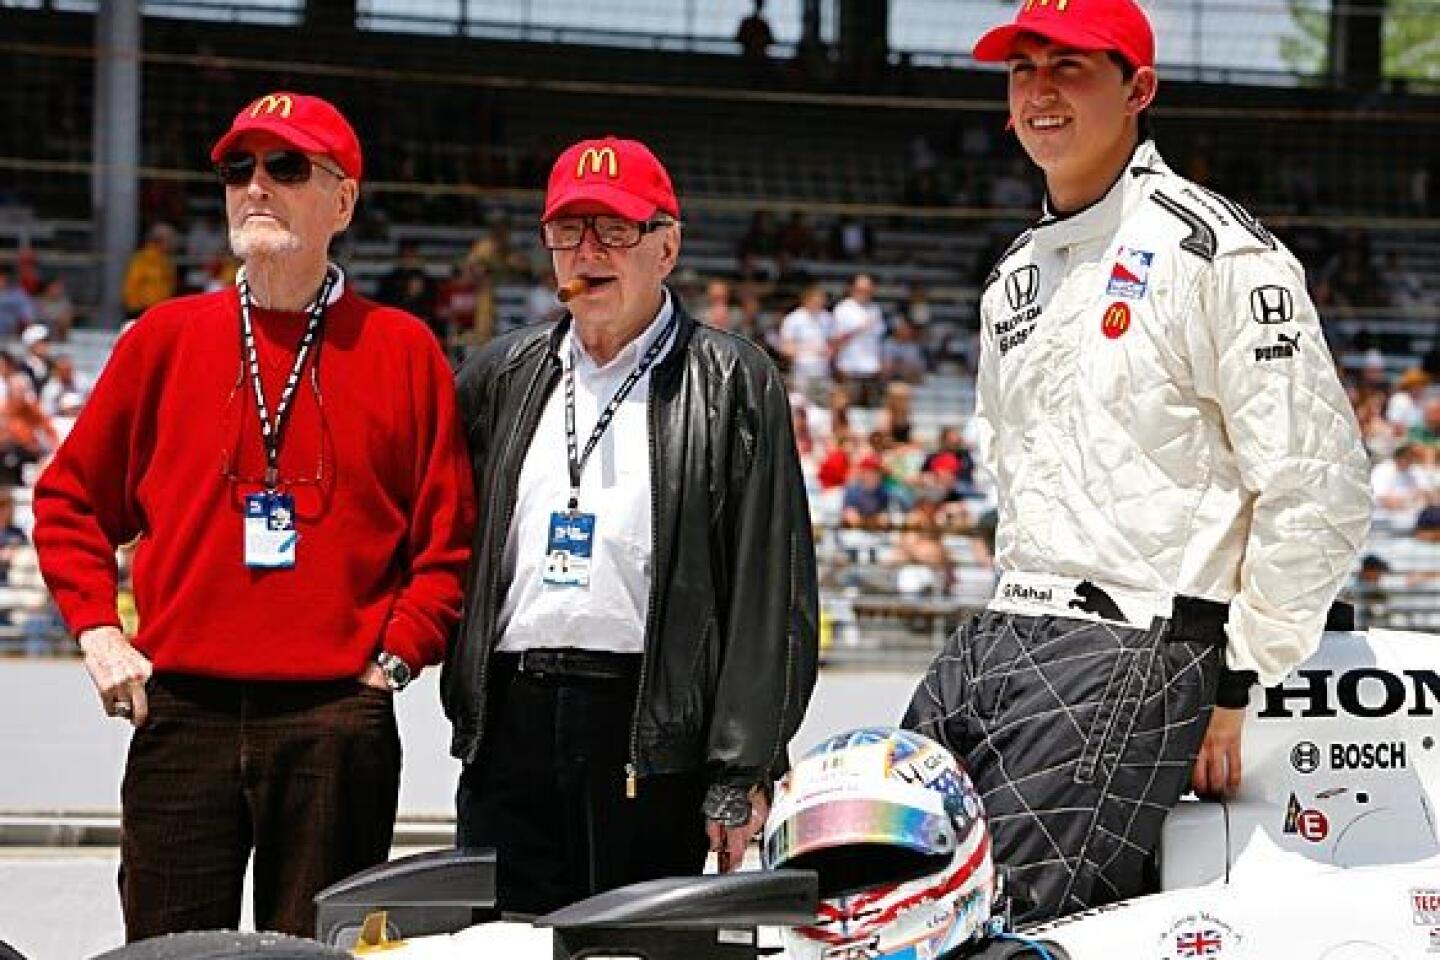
(632, 786)
(497, 555)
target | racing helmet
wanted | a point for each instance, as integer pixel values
(894, 828)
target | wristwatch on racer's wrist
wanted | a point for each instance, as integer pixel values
(397, 671)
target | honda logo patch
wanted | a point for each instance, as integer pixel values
(1022, 287)
(1272, 304)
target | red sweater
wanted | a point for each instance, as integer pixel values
(169, 444)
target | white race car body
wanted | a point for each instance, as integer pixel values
(1329, 850)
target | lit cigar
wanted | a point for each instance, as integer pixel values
(572, 288)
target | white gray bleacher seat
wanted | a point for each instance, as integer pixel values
(90, 349)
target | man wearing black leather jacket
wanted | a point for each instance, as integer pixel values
(640, 640)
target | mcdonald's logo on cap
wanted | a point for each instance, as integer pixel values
(1060, 5)
(272, 102)
(1116, 321)
(595, 160)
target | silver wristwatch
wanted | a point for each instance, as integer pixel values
(397, 671)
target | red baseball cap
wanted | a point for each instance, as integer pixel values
(871, 461)
(1118, 25)
(305, 122)
(945, 462)
(622, 176)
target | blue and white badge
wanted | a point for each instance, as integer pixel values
(1130, 273)
(270, 535)
(569, 553)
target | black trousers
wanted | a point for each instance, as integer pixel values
(1080, 737)
(549, 794)
(304, 774)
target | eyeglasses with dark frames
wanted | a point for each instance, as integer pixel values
(567, 233)
(290, 167)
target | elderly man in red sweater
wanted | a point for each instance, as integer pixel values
(287, 456)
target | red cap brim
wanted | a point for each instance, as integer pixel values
(603, 196)
(996, 45)
(296, 138)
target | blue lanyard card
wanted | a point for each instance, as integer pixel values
(270, 535)
(569, 552)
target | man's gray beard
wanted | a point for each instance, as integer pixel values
(262, 244)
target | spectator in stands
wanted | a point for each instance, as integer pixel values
(921, 541)
(720, 311)
(455, 303)
(497, 255)
(754, 325)
(1371, 597)
(1426, 433)
(754, 36)
(1427, 530)
(837, 410)
(800, 422)
(26, 434)
(54, 309)
(27, 271)
(648, 757)
(1116, 540)
(903, 355)
(867, 496)
(851, 239)
(1403, 407)
(16, 310)
(12, 538)
(952, 444)
(856, 341)
(36, 363)
(897, 417)
(410, 287)
(64, 384)
(805, 343)
(1378, 433)
(287, 595)
(150, 277)
(835, 462)
(917, 309)
(1402, 484)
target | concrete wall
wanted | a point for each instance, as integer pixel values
(59, 753)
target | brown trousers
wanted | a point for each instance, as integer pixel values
(305, 775)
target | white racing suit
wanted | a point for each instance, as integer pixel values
(1182, 492)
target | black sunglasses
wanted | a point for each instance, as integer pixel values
(283, 166)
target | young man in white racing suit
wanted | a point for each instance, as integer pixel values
(1181, 481)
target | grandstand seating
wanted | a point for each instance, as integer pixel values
(458, 131)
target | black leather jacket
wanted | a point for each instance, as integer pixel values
(731, 640)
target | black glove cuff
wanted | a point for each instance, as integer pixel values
(727, 804)
(1233, 693)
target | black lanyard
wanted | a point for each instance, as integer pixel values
(272, 433)
(577, 459)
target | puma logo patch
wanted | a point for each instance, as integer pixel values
(1091, 599)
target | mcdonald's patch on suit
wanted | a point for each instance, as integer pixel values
(1116, 320)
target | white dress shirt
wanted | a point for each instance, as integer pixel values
(610, 613)
(860, 356)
